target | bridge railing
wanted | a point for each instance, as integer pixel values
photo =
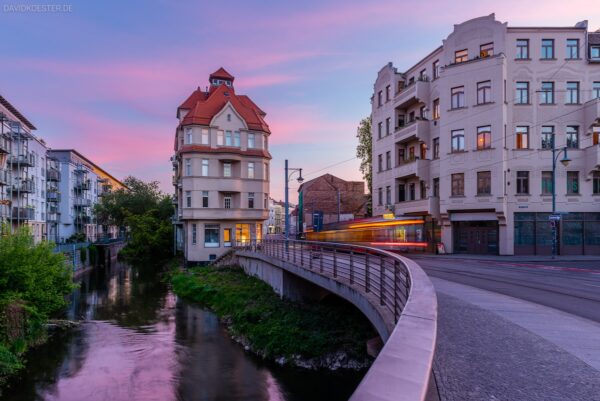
(371, 270)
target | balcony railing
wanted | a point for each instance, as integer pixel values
(25, 159)
(52, 217)
(4, 180)
(26, 186)
(83, 185)
(414, 92)
(53, 175)
(83, 219)
(4, 144)
(82, 202)
(23, 213)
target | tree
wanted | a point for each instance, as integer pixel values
(364, 153)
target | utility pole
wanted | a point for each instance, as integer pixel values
(565, 161)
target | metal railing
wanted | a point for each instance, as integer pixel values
(367, 269)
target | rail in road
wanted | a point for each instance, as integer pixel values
(395, 287)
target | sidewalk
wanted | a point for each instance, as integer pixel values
(495, 347)
(509, 258)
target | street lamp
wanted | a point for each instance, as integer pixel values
(565, 162)
(289, 171)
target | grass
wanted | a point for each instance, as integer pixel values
(275, 327)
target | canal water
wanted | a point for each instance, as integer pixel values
(139, 342)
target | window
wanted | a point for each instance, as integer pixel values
(546, 182)
(401, 192)
(194, 234)
(228, 138)
(204, 198)
(220, 138)
(436, 187)
(573, 136)
(460, 56)
(547, 137)
(380, 162)
(411, 153)
(436, 107)
(436, 69)
(572, 182)
(458, 184)
(228, 117)
(596, 90)
(547, 93)
(242, 233)
(486, 50)
(380, 196)
(211, 235)
(236, 138)
(387, 126)
(388, 160)
(423, 113)
(250, 169)
(227, 237)
(572, 93)
(458, 140)
(380, 130)
(251, 141)
(266, 201)
(522, 49)
(411, 191)
(422, 190)
(189, 139)
(226, 169)
(188, 198)
(227, 201)
(379, 97)
(436, 148)
(596, 135)
(265, 171)
(522, 95)
(484, 183)
(595, 52)
(522, 136)
(547, 49)
(423, 75)
(250, 200)
(205, 167)
(572, 49)
(457, 97)
(188, 167)
(388, 195)
(205, 136)
(484, 92)
(387, 93)
(484, 137)
(522, 182)
(596, 183)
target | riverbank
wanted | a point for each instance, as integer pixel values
(327, 335)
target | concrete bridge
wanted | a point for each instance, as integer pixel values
(392, 291)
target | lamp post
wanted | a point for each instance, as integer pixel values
(565, 162)
(289, 171)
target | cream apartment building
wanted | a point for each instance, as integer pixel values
(221, 170)
(464, 137)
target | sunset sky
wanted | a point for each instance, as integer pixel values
(107, 77)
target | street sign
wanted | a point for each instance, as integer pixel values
(554, 217)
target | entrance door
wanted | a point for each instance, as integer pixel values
(476, 237)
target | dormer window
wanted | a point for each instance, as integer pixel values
(228, 117)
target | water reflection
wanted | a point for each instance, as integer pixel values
(140, 343)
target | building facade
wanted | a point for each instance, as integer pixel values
(329, 199)
(221, 170)
(275, 223)
(464, 139)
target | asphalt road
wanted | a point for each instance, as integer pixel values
(573, 287)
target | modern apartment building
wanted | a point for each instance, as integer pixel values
(221, 169)
(464, 139)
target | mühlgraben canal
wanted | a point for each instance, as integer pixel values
(137, 341)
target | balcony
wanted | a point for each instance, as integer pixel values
(80, 169)
(417, 92)
(592, 158)
(52, 217)
(176, 181)
(416, 130)
(83, 185)
(53, 175)
(53, 209)
(431, 206)
(591, 112)
(82, 202)
(24, 186)
(4, 177)
(23, 213)
(4, 211)
(53, 196)
(4, 144)
(413, 168)
(24, 160)
(82, 218)
(175, 200)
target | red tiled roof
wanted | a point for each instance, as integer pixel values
(204, 106)
(222, 74)
(225, 150)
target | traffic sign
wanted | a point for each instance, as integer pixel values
(554, 217)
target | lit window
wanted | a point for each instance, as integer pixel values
(484, 137)
(460, 56)
(486, 50)
(458, 140)
(211, 235)
(522, 136)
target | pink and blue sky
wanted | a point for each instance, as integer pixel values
(106, 78)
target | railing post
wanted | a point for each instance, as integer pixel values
(321, 258)
(310, 257)
(367, 272)
(334, 262)
(396, 306)
(302, 254)
(351, 267)
(294, 250)
(381, 281)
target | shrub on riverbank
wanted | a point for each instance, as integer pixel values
(274, 327)
(34, 283)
